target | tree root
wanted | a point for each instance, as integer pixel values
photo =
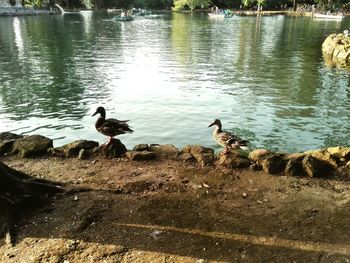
(20, 193)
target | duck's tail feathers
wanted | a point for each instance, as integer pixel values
(244, 147)
(242, 144)
(124, 121)
(128, 129)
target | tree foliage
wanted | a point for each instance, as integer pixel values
(332, 4)
(191, 4)
(34, 3)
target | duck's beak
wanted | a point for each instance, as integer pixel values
(211, 124)
(94, 113)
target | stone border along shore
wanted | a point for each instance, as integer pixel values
(325, 162)
(22, 11)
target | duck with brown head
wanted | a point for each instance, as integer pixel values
(226, 139)
(110, 127)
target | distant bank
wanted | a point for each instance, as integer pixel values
(18, 10)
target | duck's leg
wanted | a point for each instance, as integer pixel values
(224, 151)
(109, 141)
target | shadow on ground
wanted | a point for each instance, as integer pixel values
(249, 217)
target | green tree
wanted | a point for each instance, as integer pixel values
(253, 2)
(34, 3)
(332, 4)
(191, 4)
(259, 3)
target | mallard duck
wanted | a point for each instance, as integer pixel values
(110, 127)
(227, 139)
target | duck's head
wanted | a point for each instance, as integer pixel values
(101, 111)
(217, 123)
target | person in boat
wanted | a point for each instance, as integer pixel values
(124, 13)
(227, 12)
(217, 10)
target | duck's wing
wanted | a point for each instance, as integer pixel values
(232, 140)
(237, 142)
(114, 126)
(224, 137)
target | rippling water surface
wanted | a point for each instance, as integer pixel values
(264, 77)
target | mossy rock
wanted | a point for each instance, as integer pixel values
(6, 141)
(30, 146)
(72, 149)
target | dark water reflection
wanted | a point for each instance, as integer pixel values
(264, 77)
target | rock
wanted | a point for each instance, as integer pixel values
(165, 150)
(186, 157)
(31, 146)
(274, 164)
(295, 156)
(255, 167)
(345, 171)
(115, 149)
(140, 147)
(258, 154)
(6, 141)
(234, 160)
(294, 167)
(315, 167)
(323, 154)
(9, 136)
(83, 154)
(72, 149)
(336, 48)
(203, 155)
(340, 152)
(140, 155)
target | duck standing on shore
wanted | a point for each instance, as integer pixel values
(227, 139)
(110, 127)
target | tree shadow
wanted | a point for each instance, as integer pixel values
(183, 225)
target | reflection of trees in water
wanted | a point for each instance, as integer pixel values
(189, 37)
(297, 89)
(51, 77)
(268, 65)
(61, 68)
(316, 96)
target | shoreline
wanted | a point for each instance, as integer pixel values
(21, 11)
(326, 162)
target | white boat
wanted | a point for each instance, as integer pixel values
(328, 16)
(215, 15)
(114, 10)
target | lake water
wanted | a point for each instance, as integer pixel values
(264, 77)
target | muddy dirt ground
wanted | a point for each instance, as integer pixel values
(170, 211)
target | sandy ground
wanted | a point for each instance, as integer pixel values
(169, 211)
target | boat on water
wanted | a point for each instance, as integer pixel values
(220, 13)
(114, 10)
(215, 15)
(329, 16)
(123, 18)
(140, 12)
